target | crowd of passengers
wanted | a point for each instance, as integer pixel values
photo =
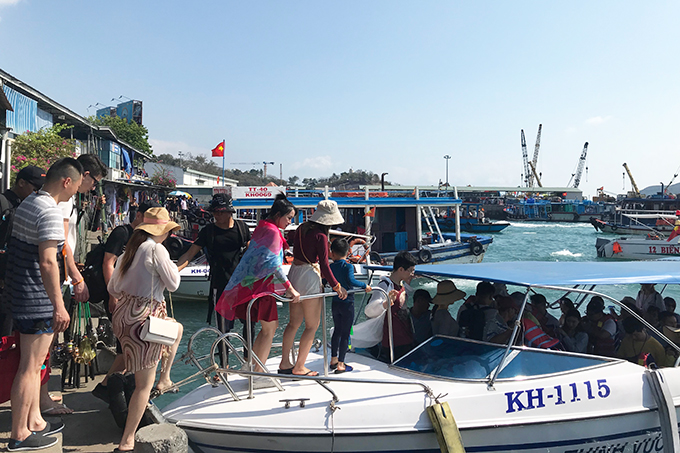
(491, 312)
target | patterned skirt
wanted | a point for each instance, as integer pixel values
(128, 319)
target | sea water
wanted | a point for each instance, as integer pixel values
(522, 241)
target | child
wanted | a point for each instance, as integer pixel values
(343, 310)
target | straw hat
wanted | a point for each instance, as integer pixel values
(447, 293)
(327, 213)
(157, 222)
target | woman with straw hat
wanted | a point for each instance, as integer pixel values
(310, 253)
(141, 275)
(442, 321)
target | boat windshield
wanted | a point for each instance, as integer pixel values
(457, 358)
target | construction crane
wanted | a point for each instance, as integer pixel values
(576, 177)
(525, 160)
(535, 174)
(669, 184)
(534, 161)
(264, 173)
(636, 191)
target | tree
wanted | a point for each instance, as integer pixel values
(41, 149)
(132, 133)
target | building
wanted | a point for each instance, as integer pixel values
(196, 183)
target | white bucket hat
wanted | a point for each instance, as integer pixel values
(327, 213)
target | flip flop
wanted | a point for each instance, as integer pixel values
(118, 450)
(61, 409)
(333, 366)
(308, 373)
(347, 368)
(156, 392)
(286, 371)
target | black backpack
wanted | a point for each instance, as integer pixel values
(93, 274)
(474, 319)
(6, 219)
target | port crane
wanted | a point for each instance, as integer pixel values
(534, 161)
(525, 160)
(576, 177)
(264, 172)
(636, 191)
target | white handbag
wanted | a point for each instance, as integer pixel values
(155, 329)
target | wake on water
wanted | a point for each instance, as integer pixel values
(565, 252)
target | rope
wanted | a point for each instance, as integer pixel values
(333, 407)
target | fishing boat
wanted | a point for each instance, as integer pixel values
(472, 220)
(640, 224)
(503, 398)
(556, 210)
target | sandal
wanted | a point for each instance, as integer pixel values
(347, 368)
(308, 373)
(60, 409)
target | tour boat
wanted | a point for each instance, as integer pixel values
(504, 398)
(638, 248)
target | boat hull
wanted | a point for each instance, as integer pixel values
(636, 248)
(194, 283)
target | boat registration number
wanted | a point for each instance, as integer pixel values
(665, 250)
(572, 393)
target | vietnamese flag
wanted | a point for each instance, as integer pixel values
(218, 151)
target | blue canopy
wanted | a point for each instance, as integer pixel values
(550, 273)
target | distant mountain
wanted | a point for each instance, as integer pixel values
(653, 190)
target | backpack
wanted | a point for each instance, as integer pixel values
(6, 219)
(93, 274)
(473, 319)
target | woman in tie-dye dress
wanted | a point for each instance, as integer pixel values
(141, 275)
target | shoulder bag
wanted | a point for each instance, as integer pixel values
(155, 329)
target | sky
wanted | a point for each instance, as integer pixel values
(384, 86)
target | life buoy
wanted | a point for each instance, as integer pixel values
(202, 221)
(448, 223)
(424, 255)
(614, 228)
(476, 248)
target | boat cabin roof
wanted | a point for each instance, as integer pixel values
(352, 202)
(547, 273)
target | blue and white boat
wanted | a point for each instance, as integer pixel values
(504, 398)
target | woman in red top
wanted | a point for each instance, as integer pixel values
(310, 264)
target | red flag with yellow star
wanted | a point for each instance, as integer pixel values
(218, 151)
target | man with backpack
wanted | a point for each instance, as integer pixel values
(474, 318)
(30, 179)
(104, 257)
(224, 241)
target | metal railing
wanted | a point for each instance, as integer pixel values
(322, 296)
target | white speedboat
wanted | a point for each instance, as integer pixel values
(638, 248)
(195, 281)
(504, 398)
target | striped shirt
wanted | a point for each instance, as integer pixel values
(37, 219)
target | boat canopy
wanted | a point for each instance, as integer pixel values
(549, 273)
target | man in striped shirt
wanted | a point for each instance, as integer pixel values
(33, 284)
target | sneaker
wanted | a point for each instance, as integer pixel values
(101, 392)
(32, 442)
(51, 428)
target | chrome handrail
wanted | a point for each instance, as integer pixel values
(322, 296)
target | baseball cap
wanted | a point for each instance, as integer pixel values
(32, 174)
(221, 202)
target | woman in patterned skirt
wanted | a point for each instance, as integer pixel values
(141, 275)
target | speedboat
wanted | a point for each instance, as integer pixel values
(651, 247)
(503, 398)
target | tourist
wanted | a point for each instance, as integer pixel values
(648, 296)
(259, 271)
(442, 321)
(539, 308)
(342, 310)
(141, 276)
(473, 320)
(376, 331)
(113, 248)
(667, 319)
(421, 318)
(33, 284)
(571, 335)
(600, 327)
(498, 327)
(310, 264)
(225, 242)
(566, 305)
(29, 179)
(638, 345)
(670, 304)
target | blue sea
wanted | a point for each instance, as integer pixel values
(522, 241)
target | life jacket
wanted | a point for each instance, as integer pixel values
(535, 337)
(606, 346)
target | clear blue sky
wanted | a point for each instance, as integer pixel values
(385, 86)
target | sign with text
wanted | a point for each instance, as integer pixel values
(243, 192)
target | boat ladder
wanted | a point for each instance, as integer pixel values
(666, 408)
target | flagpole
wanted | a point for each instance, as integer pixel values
(224, 144)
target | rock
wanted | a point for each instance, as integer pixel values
(163, 438)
